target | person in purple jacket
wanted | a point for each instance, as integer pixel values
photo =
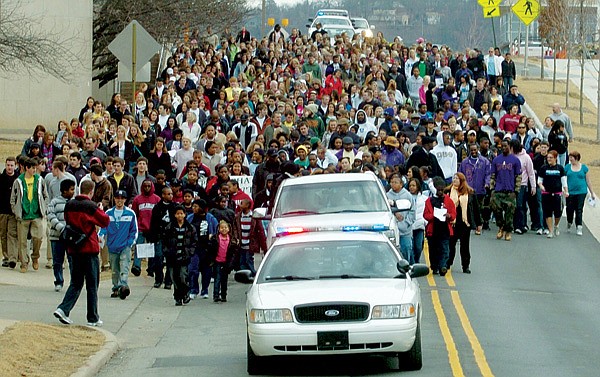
(505, 183)
(478, 170)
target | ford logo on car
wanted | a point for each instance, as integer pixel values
(332, 313)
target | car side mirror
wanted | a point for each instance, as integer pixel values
(244, 277)
(307, 25)
(403, 266)
(418, 270)
(261, 213)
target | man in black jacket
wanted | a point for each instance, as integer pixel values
(163, 214)
(422, 157)
(8, 222)
(121, 180)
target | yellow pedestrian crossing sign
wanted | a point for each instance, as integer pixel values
(489, 3)
(493, 11)
(526, 10)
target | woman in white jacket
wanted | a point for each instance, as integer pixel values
(418, 227)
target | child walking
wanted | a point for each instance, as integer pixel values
(180, 243)
(226, 248)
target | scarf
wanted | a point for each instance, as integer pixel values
(463, 201)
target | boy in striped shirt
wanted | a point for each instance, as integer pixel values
(250, 232)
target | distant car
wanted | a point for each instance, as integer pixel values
(361, 24)
(330, 202)
(333, 293)
(330, 24)
(534, 49)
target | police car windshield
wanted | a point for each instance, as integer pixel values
(330, 197)
(329, 21)
(361, 24)
(349, 259)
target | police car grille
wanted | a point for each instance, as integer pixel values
(347, 312)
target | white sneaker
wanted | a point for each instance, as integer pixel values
(540, 231)
(205, 296)
(58, 288)
(62, 317)
(546, 231)
(579, 230)
(549, 235)
(569, 226)
(98, 323)
(556, 231)
(192, 296)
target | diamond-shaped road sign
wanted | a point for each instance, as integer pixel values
(489, 3)
(122, 45)
(526, 10)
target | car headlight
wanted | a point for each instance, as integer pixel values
(270, 316)
(393, 311)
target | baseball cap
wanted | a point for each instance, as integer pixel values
(121, 194)
(389, 111)
(272, 152)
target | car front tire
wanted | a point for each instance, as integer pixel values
(255, 364)
(413, 358)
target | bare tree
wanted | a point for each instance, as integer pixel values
(24, 45)
(165, 20)
(554, 28)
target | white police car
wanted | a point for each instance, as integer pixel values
(330, 202)
(333, 293)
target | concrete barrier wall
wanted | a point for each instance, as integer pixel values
(27, 99)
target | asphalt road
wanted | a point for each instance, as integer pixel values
(530, 308)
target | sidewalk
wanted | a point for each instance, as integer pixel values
(30, 297)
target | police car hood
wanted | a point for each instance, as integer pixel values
(297, 292)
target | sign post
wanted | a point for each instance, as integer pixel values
(527, 11)
(134, 44)
(491, 9)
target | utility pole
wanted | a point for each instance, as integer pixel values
(263, 18)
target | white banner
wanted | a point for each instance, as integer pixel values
(245, 183)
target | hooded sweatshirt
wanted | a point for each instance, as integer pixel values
(142, 206)
(365, 126)
(446, 156)
(404, 226)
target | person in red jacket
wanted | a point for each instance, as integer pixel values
(334, 82)
(142, 206)
(440, 213)
(84, 215)
(237, 195)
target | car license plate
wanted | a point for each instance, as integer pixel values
(332, 340)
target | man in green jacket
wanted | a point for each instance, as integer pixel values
(28, 200)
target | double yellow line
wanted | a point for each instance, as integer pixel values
(453, 356)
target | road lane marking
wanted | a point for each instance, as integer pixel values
(450, 279)
(453, 358)
(430, 278)
(475, 345)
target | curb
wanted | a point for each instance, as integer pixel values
(95, 362)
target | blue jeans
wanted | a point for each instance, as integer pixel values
(540, 215)
(406, 248)
(520, 219)
(158, 264)
(221, 274)
(508, 81)
(84, 268)
(562, 159)
(417, 243)
(194, 274)
(119, 265)
(247, 261)
(58, 259)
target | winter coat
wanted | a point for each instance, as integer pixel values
(170, 250)
(56, 217)
(16, 197)
(121, 232)
(258, 240)
(84, 215)
(142, 205)
(450, 215)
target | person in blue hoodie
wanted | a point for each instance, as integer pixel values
(120, 235)
(404, 218)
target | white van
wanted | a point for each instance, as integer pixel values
(331, 202)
